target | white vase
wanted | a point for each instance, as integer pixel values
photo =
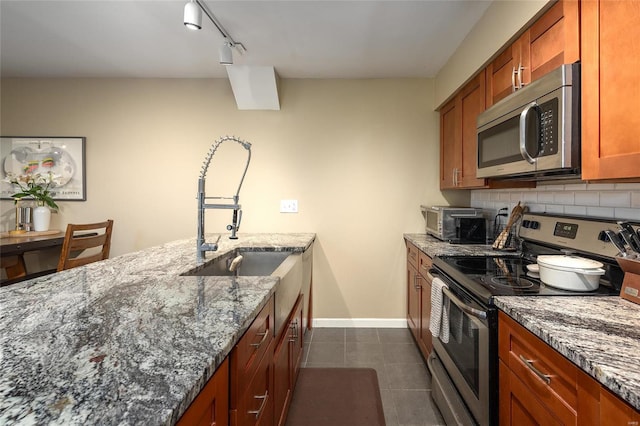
(41, 218)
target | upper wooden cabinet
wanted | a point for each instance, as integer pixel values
(458, 146)
(449, 144)
(610, 90)
(509, 71)
(553, 40)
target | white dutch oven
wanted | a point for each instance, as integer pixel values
(570, 272)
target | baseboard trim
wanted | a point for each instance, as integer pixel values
(359, 323)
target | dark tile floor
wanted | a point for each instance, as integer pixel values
(404, 380)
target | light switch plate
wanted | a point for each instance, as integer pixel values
(288, 206)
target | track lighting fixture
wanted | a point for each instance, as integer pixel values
(193, 20)
(192, 15)
(225, 53)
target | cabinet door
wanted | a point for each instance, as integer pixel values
(211, 406)
(296, 342)
(449, 145)
(281, 380)
(555, 38)
(614, 411)
(518, 407)
(610, 92)
(547, 376)
(509, 71)
(413, 300)
(471, 104)
(255, 406)
(426, 339)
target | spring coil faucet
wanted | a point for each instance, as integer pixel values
(202, 245)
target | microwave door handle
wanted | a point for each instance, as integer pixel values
(523, 133)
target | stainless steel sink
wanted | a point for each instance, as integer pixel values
(285, 265)
(252, 264)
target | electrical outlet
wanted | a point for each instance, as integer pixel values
(288, 206)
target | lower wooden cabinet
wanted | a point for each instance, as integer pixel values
(255, 404)
(419, 297)
(211, 406)
(255, 383)
(286, 360)
(251, 372)
(539, 386)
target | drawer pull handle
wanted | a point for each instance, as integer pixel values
(262, 404)
(529, 363)
(264, 337)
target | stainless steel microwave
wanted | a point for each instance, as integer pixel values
(535, 131)
(455, 224)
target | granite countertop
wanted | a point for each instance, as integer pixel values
(598, 334)
(434, 247)
(127, 340)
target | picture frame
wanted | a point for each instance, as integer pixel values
(64, 156)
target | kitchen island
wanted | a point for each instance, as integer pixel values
(128, 340)
(598, 334)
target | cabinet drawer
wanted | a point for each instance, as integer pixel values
(255, 406)
(252, 347)
(412, 255)
(424, 264)
(550, 377)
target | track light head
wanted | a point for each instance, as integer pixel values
(192, 16)
(225, 54)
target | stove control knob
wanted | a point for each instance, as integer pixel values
(535, 224)
(602, 236)
(526, 224)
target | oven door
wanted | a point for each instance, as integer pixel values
(466, 354)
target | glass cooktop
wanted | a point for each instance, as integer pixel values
(504, 276)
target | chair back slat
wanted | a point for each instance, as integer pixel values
(72, 254)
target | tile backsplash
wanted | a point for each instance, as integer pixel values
(608, 200)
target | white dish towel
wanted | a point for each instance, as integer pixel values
(439, 322)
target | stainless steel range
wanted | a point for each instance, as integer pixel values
(464, 364)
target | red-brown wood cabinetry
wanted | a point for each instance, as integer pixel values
(539, 386)
(251, 366)
(419, 297)
(610, 91)
(287, 360)
(211, 406)
(509, 71)
(458, 141)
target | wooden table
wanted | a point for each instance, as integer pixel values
(12, 248)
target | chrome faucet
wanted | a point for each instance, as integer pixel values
(201, 245)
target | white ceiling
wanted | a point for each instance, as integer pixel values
(301, 39)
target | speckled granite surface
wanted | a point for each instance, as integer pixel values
(599, 334)
(126, 341)
(434, 247)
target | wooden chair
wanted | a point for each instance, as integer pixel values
(77, 244)
(14, 267)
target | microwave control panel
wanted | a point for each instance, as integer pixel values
(548, 125)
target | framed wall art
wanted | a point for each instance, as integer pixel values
(62, 158)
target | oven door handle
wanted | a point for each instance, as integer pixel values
(463, 306)
(460, 304)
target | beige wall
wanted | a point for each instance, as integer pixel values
(360, 156)
(501, 22)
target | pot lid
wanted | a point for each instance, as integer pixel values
(569, 262)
